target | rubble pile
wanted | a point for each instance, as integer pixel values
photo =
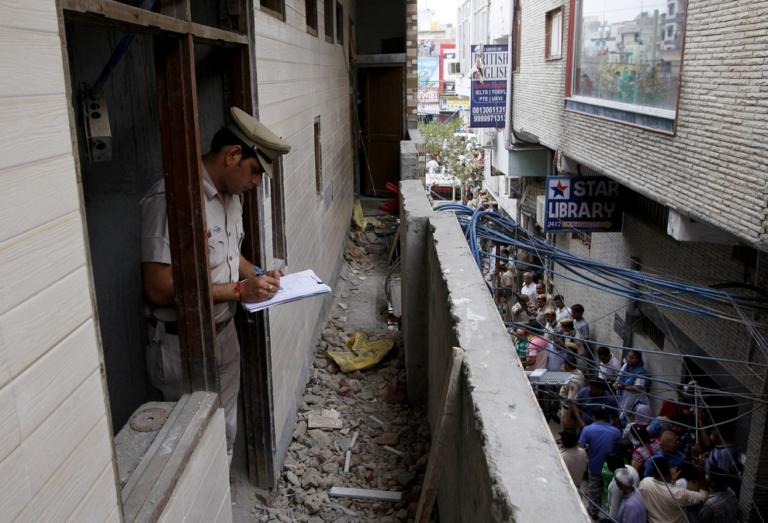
(353, 430)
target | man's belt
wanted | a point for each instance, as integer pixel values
(172, 327)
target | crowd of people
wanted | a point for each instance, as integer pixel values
(632, 465)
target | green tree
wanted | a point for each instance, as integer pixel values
(462, 157)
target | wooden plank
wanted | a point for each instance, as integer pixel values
(445, 428)
(180, 133)
(147, 493)
(211, 446)
(177, 9)
(257, 362)
(363, 493)
(137, 20)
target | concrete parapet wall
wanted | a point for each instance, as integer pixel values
(415, 211)
(503, 463)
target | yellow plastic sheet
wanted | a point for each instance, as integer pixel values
(365, 353)
(360, 221)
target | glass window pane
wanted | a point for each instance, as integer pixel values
(630, 51)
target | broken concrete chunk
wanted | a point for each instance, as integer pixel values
(315, 421)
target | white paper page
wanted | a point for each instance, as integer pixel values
(293, 287)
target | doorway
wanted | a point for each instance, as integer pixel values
(382, 92)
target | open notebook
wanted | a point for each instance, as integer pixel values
(296, 286)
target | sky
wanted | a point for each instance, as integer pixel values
(445, 10)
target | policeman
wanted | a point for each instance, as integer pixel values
(241, 153)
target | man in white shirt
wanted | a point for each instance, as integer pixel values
(561, 311)
(579, 323)
(529, 287)
(609, 365)
(432, 166)
(664, 501)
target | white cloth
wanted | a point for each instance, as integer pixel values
(609, 371)
(432, 166)
(561, 314)
(582, 327)
(530, 290)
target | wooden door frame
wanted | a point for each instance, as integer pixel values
(175, 36)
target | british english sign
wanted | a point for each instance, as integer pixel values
(489, 86)
(582, 204)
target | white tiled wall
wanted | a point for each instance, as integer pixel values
(299, 77)
(55, 439)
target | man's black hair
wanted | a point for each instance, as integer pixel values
(570, 362)
(558, 297)
(603, 351)
(577, 307)
(569, 438)
(660, 468)
(601, 413)
(614, 461)
(225, 137)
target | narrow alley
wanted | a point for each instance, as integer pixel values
(388, 440)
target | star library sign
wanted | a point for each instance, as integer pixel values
(582, 204)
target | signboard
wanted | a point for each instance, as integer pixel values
(454, 103)
(583, 204)
(429, 71)
(489, 85)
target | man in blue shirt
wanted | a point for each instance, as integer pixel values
(600, 439)
(668, 444)
(593, 398)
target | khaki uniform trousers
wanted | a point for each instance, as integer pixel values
(164, 366)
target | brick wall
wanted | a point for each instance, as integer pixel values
(411, 65)
(55, 438)
(714, 169)
(299, 77)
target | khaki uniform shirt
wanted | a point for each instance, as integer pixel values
(224, 219)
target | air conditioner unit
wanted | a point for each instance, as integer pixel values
(541, 201)
(685, 229)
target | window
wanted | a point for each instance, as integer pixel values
(626, 62)
(518, 12)
(671, 10)
(277, 195)
(274, 7)
(553, 46)
(318, 158)
(328, 16)
(455, 68)
(655, 334)
(310, 7)
(339, 23)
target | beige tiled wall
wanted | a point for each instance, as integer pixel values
(55, 439)
(299, 77)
